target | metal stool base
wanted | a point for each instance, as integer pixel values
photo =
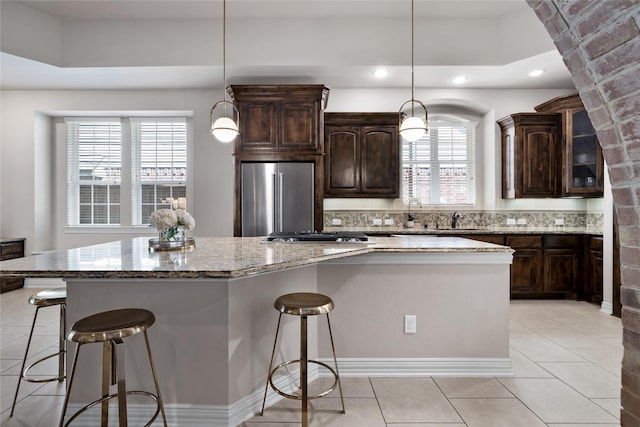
(295, 396)
(29, 379)
(114, 396)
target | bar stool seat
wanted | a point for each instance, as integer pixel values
(110, 328)
(303, 304)
(47, 298)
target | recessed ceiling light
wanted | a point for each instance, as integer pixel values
(380, 73)
(536, 73)
(459, 80)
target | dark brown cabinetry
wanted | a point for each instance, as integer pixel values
(527, 267)
(361, 155)
(594, 282)
(9, 249)
(530, 155)
(280, 117)
(582, 161)
(280, 123)
(562, 265)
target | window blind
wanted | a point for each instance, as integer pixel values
(439, 168)
(94, 166)
(159, 166)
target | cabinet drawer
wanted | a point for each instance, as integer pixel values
(10, 283)
(596, 243)
(11, 250)
(562, 241)
(524, 241)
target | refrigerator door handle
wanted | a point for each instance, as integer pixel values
(280, 197)
(276, 197)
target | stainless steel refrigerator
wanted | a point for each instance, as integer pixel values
(277, 196)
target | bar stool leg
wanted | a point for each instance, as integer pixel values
(24, 361)
(335, 361)
(107, 362)
(155, 379)
(118, 361)
(62, 344)
(273, 352)
(69, 385)
(303, 370)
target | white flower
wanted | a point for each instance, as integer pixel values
(185, 219)
(163, 219)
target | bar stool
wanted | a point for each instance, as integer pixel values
(42, 299)
(109, 328)
(303, 304)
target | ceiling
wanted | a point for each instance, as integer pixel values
(446, 32)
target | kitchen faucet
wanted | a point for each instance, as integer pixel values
(454, 219)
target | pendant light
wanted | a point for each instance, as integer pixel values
(412, 128)
(223, 126)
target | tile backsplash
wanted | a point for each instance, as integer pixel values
(469, 219)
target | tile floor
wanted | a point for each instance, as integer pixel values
(566, 360)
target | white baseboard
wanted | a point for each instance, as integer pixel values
(606, 307)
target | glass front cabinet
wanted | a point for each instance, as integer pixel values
(582, 162)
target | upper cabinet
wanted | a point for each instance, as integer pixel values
(280, 118)
(582, 162)
(551, 153)
(362, 156)
(530, 155)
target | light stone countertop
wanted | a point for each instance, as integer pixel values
(217, 257)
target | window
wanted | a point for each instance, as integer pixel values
(439, 168)
(102, 154)
(159, 153)
(94, 156)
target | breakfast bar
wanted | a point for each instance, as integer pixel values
(215, 319)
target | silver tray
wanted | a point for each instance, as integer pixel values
(186, 245)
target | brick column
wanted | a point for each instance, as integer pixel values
(600, 43)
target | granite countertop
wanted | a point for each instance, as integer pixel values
(386, 230)
(218, 257)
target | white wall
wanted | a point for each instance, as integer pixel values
(31, 208)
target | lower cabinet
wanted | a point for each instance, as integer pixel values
(552, 266)
(9, 249)
(594, 283)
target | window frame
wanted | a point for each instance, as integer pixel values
(434, 161)
(127, 224)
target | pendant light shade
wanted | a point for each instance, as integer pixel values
(412, 126)
(225, 117)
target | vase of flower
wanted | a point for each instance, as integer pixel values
(171, 225)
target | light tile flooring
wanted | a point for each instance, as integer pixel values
(566, 360)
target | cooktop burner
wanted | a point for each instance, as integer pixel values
(310, 237)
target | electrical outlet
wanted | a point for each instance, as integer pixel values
(388, 221)
(409, 323)
(511, 221)
(522, 221)
(559, 221)
(336, 221)
(377, 221)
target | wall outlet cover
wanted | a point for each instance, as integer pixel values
(559, 221)
(377, 221)
(388, 221)
(522, 221)
(336, 221)
(410, 324)
(511, 221)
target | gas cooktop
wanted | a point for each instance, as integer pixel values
(313, 237)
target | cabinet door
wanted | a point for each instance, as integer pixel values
(257, 126)
(595, 291)
(527, 266)
(584, 166)
(299, 126)
(342, 160)
(540, 160)
(379, 161)
(562, 271)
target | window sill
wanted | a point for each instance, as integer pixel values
(110, 229)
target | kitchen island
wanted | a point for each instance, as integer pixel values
(215, 318)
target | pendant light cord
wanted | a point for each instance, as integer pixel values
(224, 52)
(412, 79)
